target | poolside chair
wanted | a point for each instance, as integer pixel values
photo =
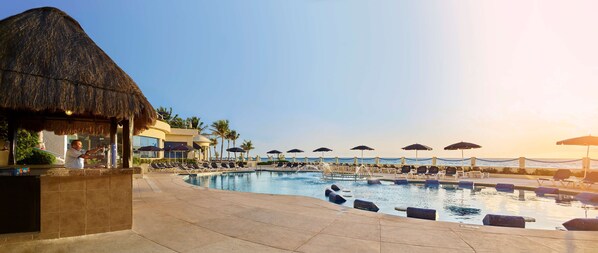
(421, 171)
(432, 172)
(224, 165)
(587, 182)
(232, 165)
(451, 172)
(477, 172)
(215, 166)
(560, 175)
(405, 171)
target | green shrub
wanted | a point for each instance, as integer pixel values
(490, 170)
(543, 172)
(521, 171)
(38, 156)
(507, 170)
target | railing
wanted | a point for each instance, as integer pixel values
(513, 163)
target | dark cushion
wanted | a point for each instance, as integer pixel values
(374, 181)
(335, 187)
(401, 181)
(504, 221)
(546, 190)
(335, 198)
(421, 213)
(466, 184)
(365, 205)
(581, 224)
(327, 192)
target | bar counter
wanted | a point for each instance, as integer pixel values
(64, 202)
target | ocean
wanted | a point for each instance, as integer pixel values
(549, 163)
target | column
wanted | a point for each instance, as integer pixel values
(128, 143)
(434, 161)
(12, 139)
(522, 162)
(113, 152)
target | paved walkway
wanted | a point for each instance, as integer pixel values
(170, 215)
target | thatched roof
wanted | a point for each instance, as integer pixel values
(49, 65)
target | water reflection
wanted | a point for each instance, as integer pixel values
(457, 204)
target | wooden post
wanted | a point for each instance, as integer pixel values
(128, 143)
(113, 152)
(522, 162)
(12, 138)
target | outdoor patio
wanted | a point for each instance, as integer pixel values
(170, 215)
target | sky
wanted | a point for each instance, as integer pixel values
(511, 76)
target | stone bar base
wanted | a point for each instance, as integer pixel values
(77, 203)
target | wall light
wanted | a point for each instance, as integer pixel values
(68, 112)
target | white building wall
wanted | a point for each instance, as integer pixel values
(55, 144)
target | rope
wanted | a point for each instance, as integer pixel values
(452, 160)
(419, 159)
(595, 160)
(540, 161)
(497, 161)
(390, 159)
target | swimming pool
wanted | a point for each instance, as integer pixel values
(452, 203)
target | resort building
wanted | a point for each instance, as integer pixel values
(158, 135)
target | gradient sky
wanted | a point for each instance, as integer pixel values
(512, 76)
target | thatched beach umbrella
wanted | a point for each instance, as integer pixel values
(462, 146)
(362, 148)
(581, 141)
(54, 77)
(417, 147)
(295, 151)
(275, 152)
(323, 149)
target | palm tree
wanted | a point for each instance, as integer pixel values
(214, 141)
(233, 136)
(196, 123)
(165, 113)
(247, 145)
(220, 128)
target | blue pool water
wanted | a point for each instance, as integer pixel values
(452, 203)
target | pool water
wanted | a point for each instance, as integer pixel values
(451, 202)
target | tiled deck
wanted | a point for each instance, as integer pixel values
(170, 215)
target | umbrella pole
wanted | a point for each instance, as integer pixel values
(585, 171)
(462, 160)
(361, 157)
(416, 156)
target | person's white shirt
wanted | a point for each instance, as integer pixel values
(73, 159)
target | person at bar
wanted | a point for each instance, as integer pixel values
(75, 157)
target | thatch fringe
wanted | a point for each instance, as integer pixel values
(49, 64)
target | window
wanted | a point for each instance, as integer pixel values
(143, 141)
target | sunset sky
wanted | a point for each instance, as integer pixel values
(511, 76)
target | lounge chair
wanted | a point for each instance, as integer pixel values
(560, 176)
(450, 172)
(405, 171)
(587, 182)
(224, 165)
(433, 172)
(421, 171)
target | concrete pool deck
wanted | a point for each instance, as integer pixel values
(170, 215)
